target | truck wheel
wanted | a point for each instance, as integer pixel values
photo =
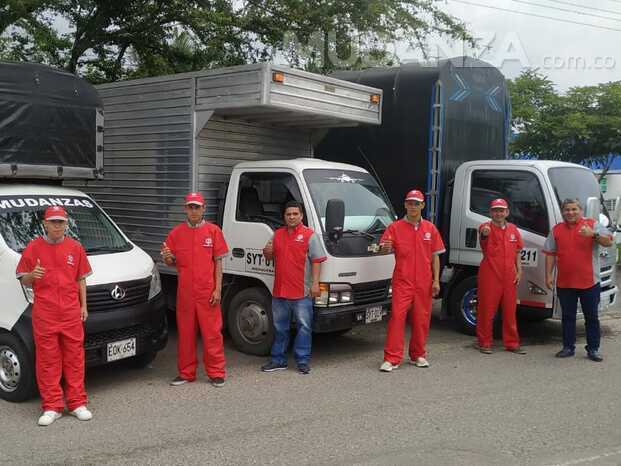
(249, 321)
(463, 305)
(17, 380)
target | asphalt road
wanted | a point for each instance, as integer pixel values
(468, 408)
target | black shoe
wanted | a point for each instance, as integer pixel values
(217, 382)
(518, 350)
(594, 355)
(272, 367)
(179, 381)
(304, 369)
(565, 353)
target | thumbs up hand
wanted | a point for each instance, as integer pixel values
(38, 271)
(167, 254)
(485, 230)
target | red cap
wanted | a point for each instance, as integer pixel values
(194, 198)
(498, 204)
(415, 195)
(55, 213)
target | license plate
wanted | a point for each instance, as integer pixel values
(373, 314)
(121, 349)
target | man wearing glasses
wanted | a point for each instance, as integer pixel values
(196, 249)
(417, 245)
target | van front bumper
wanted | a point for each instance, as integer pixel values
(333, 319)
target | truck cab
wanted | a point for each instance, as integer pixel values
(534, 190)
(355, 280)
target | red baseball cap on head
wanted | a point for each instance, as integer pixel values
(55, 213)
(194, 198)
(415, 195)
(498, 204)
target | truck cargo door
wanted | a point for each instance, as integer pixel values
(529, 211)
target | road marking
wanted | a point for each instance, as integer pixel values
(590, 459)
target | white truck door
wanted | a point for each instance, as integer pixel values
(254, 211)
(526, 192)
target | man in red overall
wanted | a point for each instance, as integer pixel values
(56, 267)
(196, 249)
(573, 247)
(416, 279)
(499, 274)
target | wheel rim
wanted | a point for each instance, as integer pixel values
(469, 306)
(253, 322)
(10, 369)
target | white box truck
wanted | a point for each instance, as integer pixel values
(243, 136)
(51, 131)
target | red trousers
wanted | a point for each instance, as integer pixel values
(59, 353)
(493, 293)
(418, 304)
(209, 318)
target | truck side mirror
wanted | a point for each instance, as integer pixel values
(335, 218)
(592, 208)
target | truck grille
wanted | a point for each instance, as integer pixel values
(370, 292)
(100, 297)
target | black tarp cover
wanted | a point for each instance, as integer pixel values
(47, 117)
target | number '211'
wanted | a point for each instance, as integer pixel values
(528, 256)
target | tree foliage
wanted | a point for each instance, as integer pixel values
(106, 40)
(581, 126)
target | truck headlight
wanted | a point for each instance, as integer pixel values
(156, 284)
(334, 294)
(28, 293)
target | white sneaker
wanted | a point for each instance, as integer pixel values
(420, 362)
(48, 417)
(388, 367)
(82, 413)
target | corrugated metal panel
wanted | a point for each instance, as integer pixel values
(224, 143)
(147, 157)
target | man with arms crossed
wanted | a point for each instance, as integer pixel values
(573, 247)
(297, 253)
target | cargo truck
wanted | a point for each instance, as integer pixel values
(51, 132)
(243, 136)
(445, 131)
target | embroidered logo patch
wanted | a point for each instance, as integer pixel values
(208, 243)
(427, 236)
(299, 238)
(70, 260)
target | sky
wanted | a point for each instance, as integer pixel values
(569, 54)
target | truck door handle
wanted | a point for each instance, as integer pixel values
(238, 252)
(471, 237)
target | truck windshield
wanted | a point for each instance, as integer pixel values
(367, 211)
(21, 220)
(574, 183)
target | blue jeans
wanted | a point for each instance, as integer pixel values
(303, 311)
(589, 300)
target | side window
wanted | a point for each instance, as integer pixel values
(262, 197)
(522, 191)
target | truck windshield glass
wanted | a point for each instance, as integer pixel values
(367, 210)
(574, 183)
(21, 220)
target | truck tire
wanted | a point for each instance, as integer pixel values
(463, 305)
(17, 373)
(249, 321)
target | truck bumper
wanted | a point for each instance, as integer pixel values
(345, 317)
(145, 322)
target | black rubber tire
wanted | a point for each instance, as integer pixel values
(142, 360)
(457, 296)
(249, 321)
(26, 386)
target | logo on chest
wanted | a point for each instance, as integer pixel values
(208, 243)
(299, 238)
(70, 260)
(512, 238)
(427, 236)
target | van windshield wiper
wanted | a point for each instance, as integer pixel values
(359, 233)
(107, 249)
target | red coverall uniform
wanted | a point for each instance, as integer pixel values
(195, 250)
(56, 322)
(414, 247)
(496, 285)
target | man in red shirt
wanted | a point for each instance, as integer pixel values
(196, 249)
(297, 253)
(56, 267)
(573, 247)
(499, 274)
(416, 279)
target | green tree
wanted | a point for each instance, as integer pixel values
(580, 126)
(110, 39)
